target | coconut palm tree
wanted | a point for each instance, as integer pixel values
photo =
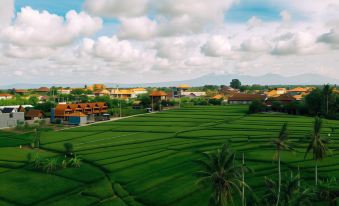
(222, 174)
(317, 145)
(281, 143)
(291, 194)
(327, 92)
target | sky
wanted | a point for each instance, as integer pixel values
(138, 41)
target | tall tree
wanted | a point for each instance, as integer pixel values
(235, 84)
(327, 92)
(281, 143)
(221, 173)
(318, 145)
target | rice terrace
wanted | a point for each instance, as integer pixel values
(152, 159)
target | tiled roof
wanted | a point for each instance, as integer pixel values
(34, 113)
(158, 94)
(6, 95)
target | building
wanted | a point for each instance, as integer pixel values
(101, 93)
(9, 117)
(156, 98)
(42, 90)
(20, 91)
(92, 111)
(192, 94)
(6, 96)
(242, 98)
(121, 93)
(138, 91)
(34, 114)
(96, 87)
(77, 118)
(284, 99)
(64, 91)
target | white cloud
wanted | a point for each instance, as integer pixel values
(141, 28)
(254, 22)
(6, 12)
(294, 43)
(217, 46)
(255, 44)
(34, 28)
(116, 8)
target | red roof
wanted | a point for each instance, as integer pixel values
(284, 97)
(158, 94)
(6, 95)
(42, 89)
(34, 113)
(21, 91)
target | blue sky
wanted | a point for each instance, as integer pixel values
(164, 40)
(266, 10)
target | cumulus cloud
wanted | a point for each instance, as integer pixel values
(114, 50)
(140, 28)
(255, 44)
(34, 28)
(116, 8)
(6, 12)
(294, 43)
(331, 38)
(216, 46)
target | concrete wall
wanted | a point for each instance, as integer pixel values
(11, 119)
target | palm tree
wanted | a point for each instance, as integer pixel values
(291, 194)
(280, 144)
(317, 145)
(327, 91)
(222, 174)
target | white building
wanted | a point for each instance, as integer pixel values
(192, 94)
(6, 96)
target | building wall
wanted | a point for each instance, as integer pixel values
(11, 119)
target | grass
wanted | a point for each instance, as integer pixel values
(149, 159)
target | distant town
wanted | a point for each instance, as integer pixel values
(80, 106)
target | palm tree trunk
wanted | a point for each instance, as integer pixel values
(243, 180)
(279, 181)
(327, 104)
(316, 173)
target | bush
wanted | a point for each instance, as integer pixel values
(256, 106)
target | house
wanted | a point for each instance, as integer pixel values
(42, 90)
(192, 94)
(157, 97)
(34, 114)
(284, 99)
(6, 96)
(281, 91)
(138, 91)
(64, 91)
(9, 117)
(242, 98)
(121, 93)
(100, 93)
(20, 91)
(77, 118)
(226, 90)
(92, 111)
(276, 92)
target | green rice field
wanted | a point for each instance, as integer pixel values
(149, 159)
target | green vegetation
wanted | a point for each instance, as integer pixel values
(150, 159)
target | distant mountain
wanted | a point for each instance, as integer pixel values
(212, 79)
